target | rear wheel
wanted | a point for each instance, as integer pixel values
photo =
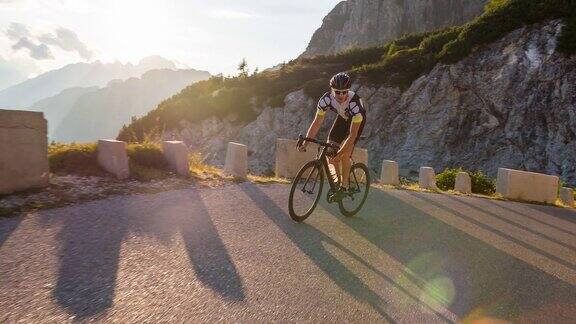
(306, 190)
(359, 186)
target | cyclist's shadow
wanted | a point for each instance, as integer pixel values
(310, 241)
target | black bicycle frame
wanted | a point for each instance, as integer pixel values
(321, 157)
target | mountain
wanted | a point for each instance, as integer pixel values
(23, 95)
(495, 92)
(101, 113)
(9, 74)
(362, 23)
(56, 108)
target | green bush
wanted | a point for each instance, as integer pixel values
(447, 179)
(80, 159)
(481, 184)
(147, 155)
(315, 88)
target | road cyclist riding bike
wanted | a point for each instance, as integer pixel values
(335, 155)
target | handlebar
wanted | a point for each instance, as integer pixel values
(301, 140)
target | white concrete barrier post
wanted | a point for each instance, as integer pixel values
(360, 155)
(24, 151)
(463, 183)
(289, 160)
(527, 186)
(389, 174)
(567, 196)
(176, 154)
(112, 158)
(236, 164)
(427, 178)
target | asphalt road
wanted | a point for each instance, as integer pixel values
(233, 254)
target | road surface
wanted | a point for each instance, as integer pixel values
(233, 254)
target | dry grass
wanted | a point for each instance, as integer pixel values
(496, 196)
(267, 180)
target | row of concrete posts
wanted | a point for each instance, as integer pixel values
(24, 163)
(510, 184)
(112, 157)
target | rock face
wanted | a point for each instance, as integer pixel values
(511, 104)
(361, 23)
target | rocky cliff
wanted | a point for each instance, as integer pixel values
(361, 23)
(510, 104)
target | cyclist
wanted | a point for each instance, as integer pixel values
(346, 129)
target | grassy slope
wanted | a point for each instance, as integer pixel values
(397, 63)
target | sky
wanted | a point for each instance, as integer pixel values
(40, 35)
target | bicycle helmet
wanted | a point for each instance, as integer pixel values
(341, 81)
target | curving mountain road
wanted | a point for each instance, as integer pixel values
(233, 254)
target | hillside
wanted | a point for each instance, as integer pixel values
(395, 64)
(100, 113)
(432, 98)
(57, 107)
(363, 23)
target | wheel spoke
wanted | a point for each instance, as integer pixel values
(305, 192)
(359, 185)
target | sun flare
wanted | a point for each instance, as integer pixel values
(138, 27)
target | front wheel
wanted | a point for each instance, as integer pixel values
(359, 185)
(306, 190)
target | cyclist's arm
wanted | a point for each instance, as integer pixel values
(354, 128)
(316, 124)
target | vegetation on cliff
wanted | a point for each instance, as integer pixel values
(396, 64)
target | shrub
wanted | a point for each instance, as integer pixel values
(567, 40)
(447, 179)
(74, 158)
(146, 173)
(147, 155)
(315, 88)
(482, 184)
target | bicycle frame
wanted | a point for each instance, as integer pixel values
(321, 158)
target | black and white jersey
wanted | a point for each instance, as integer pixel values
(352, 108)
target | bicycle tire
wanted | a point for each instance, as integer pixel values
(350, 213)
(299, 175)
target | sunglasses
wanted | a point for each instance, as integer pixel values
(340, 92)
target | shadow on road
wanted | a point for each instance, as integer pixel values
(309, 240)
(207, 252)
(92, 235)
(7, 226)
(485, 280)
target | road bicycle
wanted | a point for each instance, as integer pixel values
(309, 181)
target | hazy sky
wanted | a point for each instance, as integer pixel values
(39, 35)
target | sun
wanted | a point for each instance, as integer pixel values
(137, 28)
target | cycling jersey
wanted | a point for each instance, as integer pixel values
(352, 108)
(350, 111)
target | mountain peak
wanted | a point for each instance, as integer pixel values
(364, 23)
(157, 62)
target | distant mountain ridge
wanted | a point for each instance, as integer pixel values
(362, 23)
(25, 94)
(89, 114)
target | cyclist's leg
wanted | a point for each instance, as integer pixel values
(347, 160)
(337, 134)
(346, 165)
